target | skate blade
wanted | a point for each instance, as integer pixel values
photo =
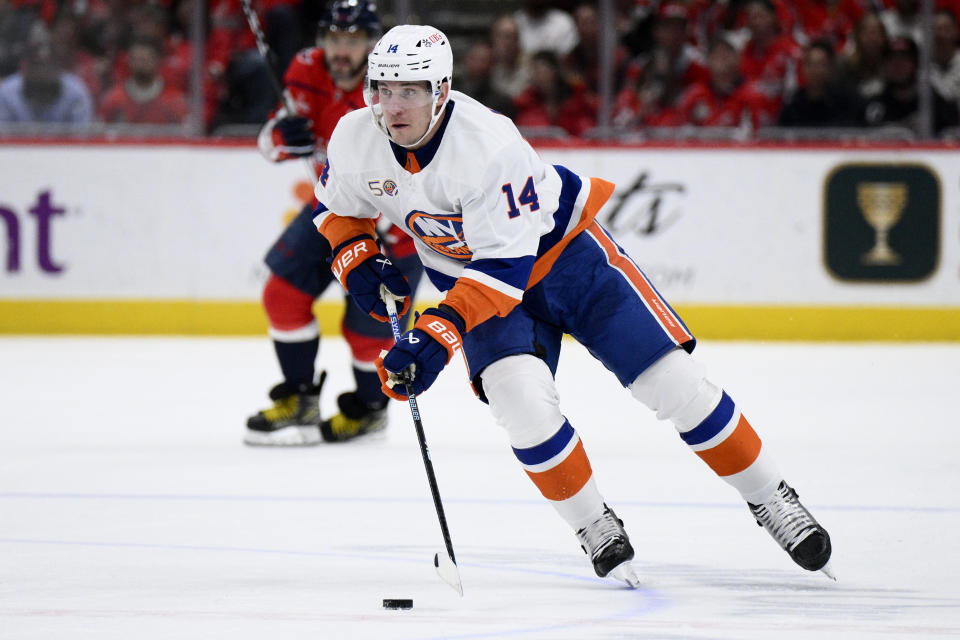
(625, 573)
(448, 572)
(827, 570)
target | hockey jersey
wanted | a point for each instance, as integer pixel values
(314, 95)
(487, 215)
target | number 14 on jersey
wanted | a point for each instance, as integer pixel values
(528, 198)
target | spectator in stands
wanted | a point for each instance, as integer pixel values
(862, 69)
(770, 57)
(145, 97)
(476, 79)
(510, 74)
(945, 73)
(15, 27)
(545, 28)
(235, 63)
(74, 58)
(641, 103)
(831, 20)
(41, 91)
(904, 20)
(725, 100)
(674, 64)
(821, 102)
(583, 63)
(898, 103)
(150, 22)
(552, 100)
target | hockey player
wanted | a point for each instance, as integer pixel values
(324, 84)
(515, 245)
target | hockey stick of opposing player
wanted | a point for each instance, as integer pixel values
(254, 23)
(446, 567)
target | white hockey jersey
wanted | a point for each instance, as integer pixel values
(488, 216)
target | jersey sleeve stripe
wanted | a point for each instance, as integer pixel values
(493, 283)
(572, 196)
(337, 229)
(477, 302)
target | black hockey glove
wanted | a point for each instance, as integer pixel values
(296, 132)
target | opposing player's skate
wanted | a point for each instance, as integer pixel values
(293, 420)
(795, 530)
(355, 419)
(608, 546)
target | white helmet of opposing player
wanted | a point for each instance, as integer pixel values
(409, 53)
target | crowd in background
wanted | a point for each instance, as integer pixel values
(747, 64)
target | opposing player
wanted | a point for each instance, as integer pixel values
(324, 84)
(514, 244)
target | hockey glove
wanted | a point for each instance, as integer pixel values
(421, 353)
(361, 269)
(295, 136)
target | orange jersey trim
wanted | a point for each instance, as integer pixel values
(737, 452)
(412, 165)
(338, 229)
(567, 478)
(600, 192)
(477, 303)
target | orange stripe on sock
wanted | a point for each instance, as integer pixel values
(657, 305)
(734, 454)
(567, 478)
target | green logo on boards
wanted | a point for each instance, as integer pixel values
(882, 222)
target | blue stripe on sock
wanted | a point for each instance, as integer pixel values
(547, 449)
(712, 424)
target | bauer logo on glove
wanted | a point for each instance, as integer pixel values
(363, 270)
(421, 353)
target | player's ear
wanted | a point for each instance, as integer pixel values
(444, 94)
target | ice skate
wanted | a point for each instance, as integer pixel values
(355, 419)
(293, 420)
(608, 546)
(795, 530)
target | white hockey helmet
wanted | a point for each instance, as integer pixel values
(409, 53)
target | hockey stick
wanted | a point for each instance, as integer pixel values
(254, 23)
(447, 566)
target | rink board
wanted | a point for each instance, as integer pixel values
(746, 242)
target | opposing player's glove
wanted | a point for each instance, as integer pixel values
(295, 136)
(362, 269)
(421, 354)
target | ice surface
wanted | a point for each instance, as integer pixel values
(130, 509)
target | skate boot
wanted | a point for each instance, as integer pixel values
(608, 546)
(794, 529)
(355, 419)
(293, 420)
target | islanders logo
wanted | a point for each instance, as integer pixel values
(441, 232)
(390, 187)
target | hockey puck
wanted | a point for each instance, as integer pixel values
(397, 603)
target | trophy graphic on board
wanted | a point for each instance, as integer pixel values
(882, 206)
